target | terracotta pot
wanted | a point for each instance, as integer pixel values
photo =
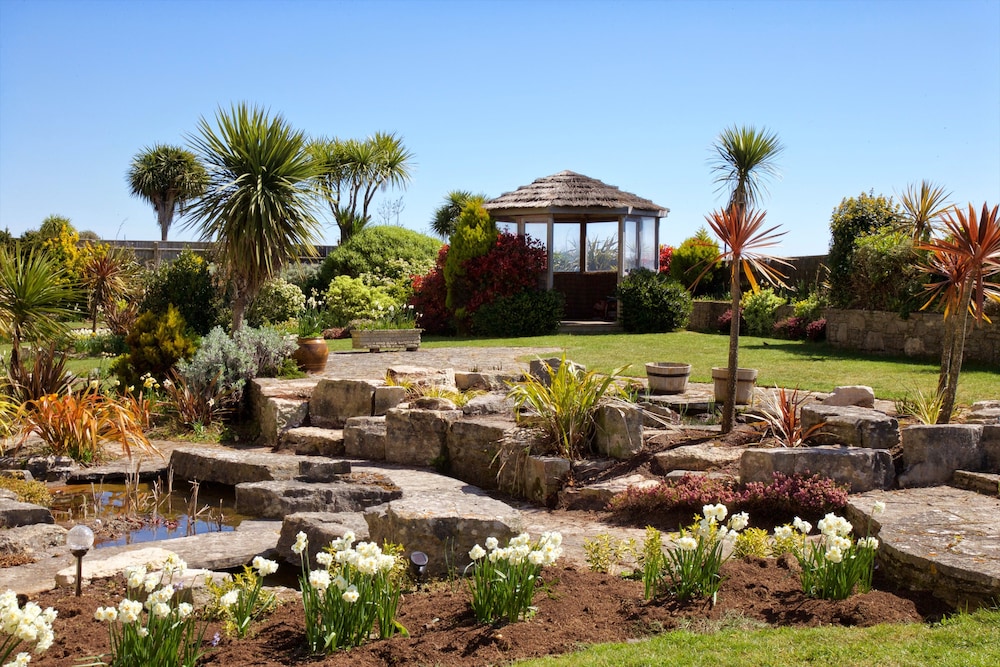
(311, 354)
(667, 377)
(746, 379)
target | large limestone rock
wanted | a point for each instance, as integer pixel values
(597, 495)
(703, 456)
(932, 453)
(313, 441)
(539, 368)
(417, 437)
(544, 477)
(984, 412)
(277, 499)
(364, 438)
(477, 452)
(856, 395)
(278, 405)
(863, 469)
(14, 513)
(386, 398)
(333, 402)
(231, 467)
(853, 426)
(320, 528)
(445, 526)
(493, 403)
(417, 376)
(619, 430)
(990, 442)
(31, 539)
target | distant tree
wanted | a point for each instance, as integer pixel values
(352, 171)
(744, 158)
(446, 215)
(853, 218)
(257, 203)
(168, 177)
(921, 204)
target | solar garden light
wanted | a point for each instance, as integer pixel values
(418, 564)
(79, 539)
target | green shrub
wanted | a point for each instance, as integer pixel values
(760, 311)
(691, 257)
(277, 301)
(884, 273)
(352, 299)
(652, 303)
(186, 283)
(528, 313)
(853, 218)
(156, 343)
(810, 308)
(28, 491)
(475, 234)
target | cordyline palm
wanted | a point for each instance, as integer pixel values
(35, 295)
(742, 233)
(921, 204)
(744, 157)
(446, 215)
(257, 207)
(168, 177)
(352, 171)
(963, 261)
(108, 276)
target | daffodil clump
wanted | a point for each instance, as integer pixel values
(834, 565)
(28, 625)
(354, 588)
(504, 579)
(245, 600)
(149, 628)
(690, 568)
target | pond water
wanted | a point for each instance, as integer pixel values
(131, 514)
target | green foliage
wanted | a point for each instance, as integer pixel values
(835, 565)
(691, 257)
(446, 215)
(884, 274)
(242, 600)
(277, 301)
(167, 177)
(528, 313)
(853, 218)
(351, 299)
(605, 554)
(475, 233)
(811, 308)
(156, 343)
(760, 311)
(752, 543)
(27, 490)
(187, 284)
(652, 303)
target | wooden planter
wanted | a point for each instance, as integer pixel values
(667, 377)
(311, 354)
(746, 379)
(376, 340)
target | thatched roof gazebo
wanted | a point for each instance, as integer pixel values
(617, 231)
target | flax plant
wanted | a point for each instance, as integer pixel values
(782, 413)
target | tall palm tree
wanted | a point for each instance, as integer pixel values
(964, 261)
(921, 204)
(352, 171)
(168, 177)
(446, 215)
(744, 157)
(258, 204)
(35, 297)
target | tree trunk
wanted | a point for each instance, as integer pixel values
(951, 357)
(165, 216)
(729, 407)
(240, 302)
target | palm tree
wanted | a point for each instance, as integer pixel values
(446, 215)
(963, 261)
(108, 275)
(168, 177)
(352, 171)
(257, 207)
(745, 156)
(921, 204)
(35, 295)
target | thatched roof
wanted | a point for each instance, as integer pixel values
(569, 192)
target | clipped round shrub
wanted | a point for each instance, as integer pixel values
(759, 311)
(155, 343)
(277, 301)
(652, 303)
(186, 283)
(352, 299)
(528, 313)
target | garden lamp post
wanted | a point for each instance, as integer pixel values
(79, 539)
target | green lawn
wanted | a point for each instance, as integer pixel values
(966, 640)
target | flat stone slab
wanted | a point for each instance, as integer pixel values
(862, 468)
(986, 483)
(313, 441)
(703, 456)
(937, 539)
(597, 495)
(276, 499)
(848, 425)
(14, 513)
(96, 567)
(232, 467)
(150, 467)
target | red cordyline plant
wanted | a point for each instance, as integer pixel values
(962, 262)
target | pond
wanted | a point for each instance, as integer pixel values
(146, 511)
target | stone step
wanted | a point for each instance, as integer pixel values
(313, 441)
(14, 513)
(986, 483)
(232, 466)
(279, 498)
(938, 539)
(704, 456)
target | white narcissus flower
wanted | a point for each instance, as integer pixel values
(129, 611)
(878, 507)
(687, 543)
(340, 583)
(324, 558)
(22, 660)
(106, 614)
(783, 532)
(834, 555)
(160, 610)
(184, 609)
(739, 521)
(319, 579)
(300, 543)
(386, 562)
(715, 513)
(868, 543)
(264, 566)
(492, 543)
(802, 526)
(477, 552)
(350, 595)
(536, 557)
(230, 598)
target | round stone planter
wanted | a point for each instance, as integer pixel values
(311, 354)
(667, 377)
(746, 379)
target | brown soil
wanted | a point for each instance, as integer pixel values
(574, 608)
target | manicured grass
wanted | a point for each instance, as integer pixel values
(966, 640)
(812, 366)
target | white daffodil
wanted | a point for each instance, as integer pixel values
(802, 526)
(319, 579)
(324, 558)
(878, 507)
(783, 532)
(477, 552)
(229, 599)
(350, 595)
(264, 566)
(300, 543)
(739, 521)
(687, 543)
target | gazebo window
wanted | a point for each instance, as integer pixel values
(640, 243)
(538, 231)
(602, 246)
(508, 227)
(566, 247)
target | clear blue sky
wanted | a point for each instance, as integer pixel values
(492, 95)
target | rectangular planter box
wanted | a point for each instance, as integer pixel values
(386, 339)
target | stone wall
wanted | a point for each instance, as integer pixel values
(917, 336)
